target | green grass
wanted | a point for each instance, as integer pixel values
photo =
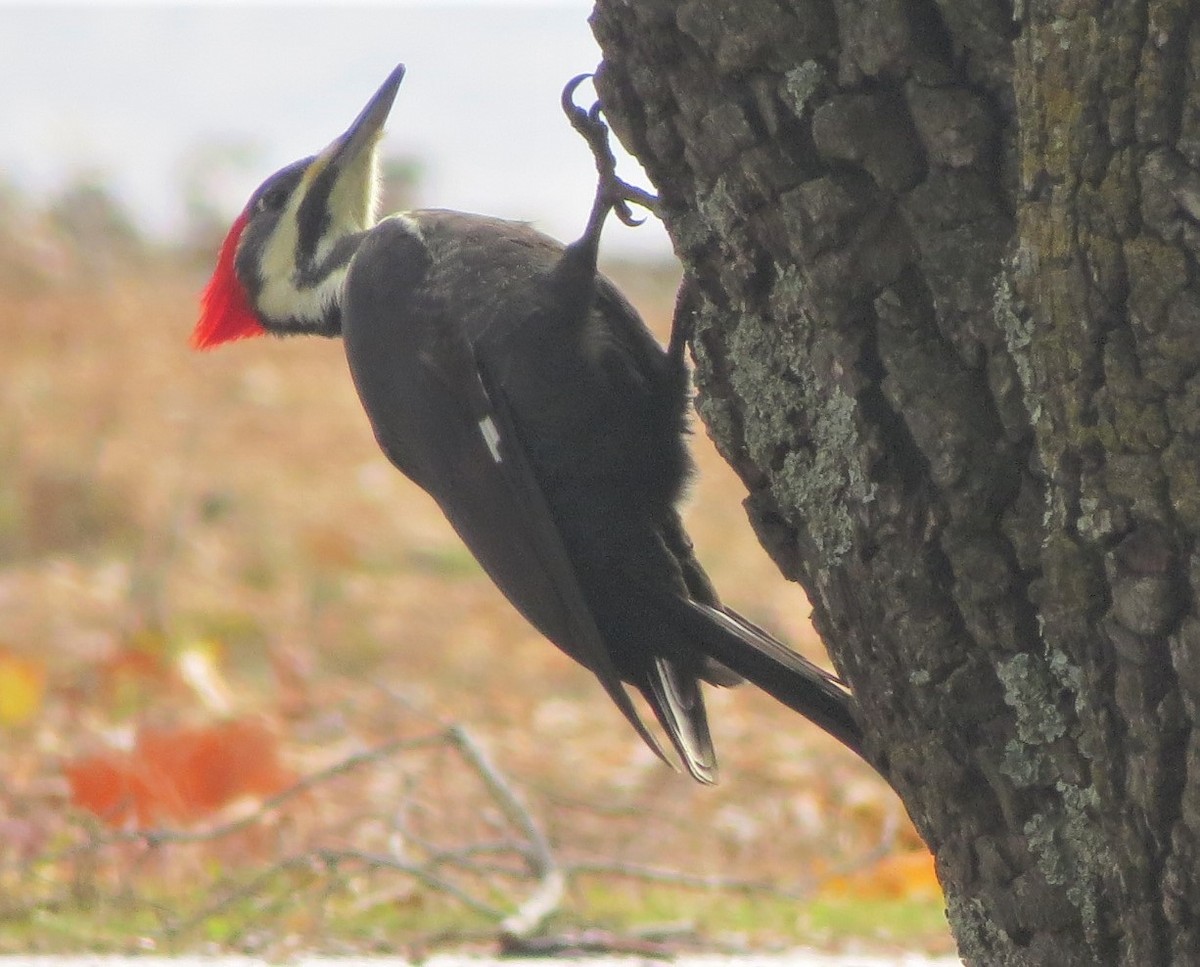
(906, 923)
(764, 918)
(373, 912)
(448, 561)
(322, 912)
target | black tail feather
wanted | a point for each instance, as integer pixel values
(780, 672)
(678, 702)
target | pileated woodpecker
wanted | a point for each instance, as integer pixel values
(520, 389)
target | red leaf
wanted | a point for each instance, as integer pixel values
(209, 768)
(181, 774)
(111, 786)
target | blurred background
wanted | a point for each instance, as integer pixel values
(180, 110)
(213, 586)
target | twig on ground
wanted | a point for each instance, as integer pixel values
(547, 898)
(532, 846)
(690, 881)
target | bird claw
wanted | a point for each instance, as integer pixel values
(618, 194)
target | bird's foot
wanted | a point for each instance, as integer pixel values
(614, 193)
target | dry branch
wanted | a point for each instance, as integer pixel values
(548, 895)
(475, 861)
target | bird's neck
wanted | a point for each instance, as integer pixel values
(309, 299)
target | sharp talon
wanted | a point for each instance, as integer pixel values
(575, 114)
(622, 210)
(612, 194)
(568, 94)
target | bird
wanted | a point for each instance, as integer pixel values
(516, 385)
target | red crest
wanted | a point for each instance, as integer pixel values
(225, 312)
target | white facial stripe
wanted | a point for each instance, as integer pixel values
(281, 298)
(352, 209)
(279, 254)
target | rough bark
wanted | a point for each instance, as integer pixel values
(945, 256)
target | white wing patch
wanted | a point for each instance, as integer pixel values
(491, 436)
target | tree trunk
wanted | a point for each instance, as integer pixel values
(943, 259)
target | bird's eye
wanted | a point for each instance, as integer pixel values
(273, 200)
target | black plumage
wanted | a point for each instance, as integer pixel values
(519, 388)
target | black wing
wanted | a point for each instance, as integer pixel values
(438, 420)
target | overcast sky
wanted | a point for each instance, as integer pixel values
(134, 92)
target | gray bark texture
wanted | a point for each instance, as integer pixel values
(942, 270)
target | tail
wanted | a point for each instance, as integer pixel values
(675, 696)
(791, 679)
